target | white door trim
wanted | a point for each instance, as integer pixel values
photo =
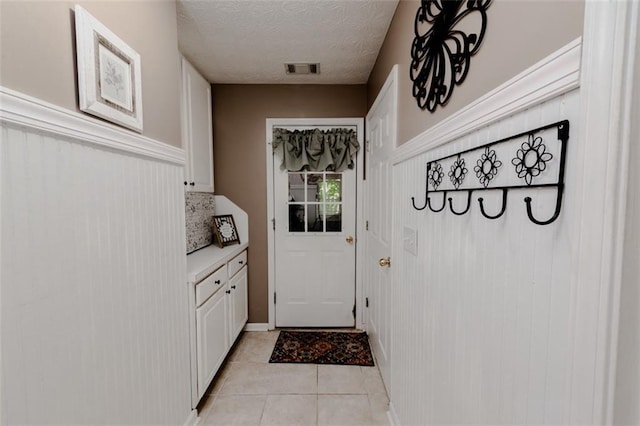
(609, 55)
(338, 122)
(391, 83)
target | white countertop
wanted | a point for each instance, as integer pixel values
(203, 262)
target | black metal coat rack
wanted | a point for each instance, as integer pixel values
(539, 161)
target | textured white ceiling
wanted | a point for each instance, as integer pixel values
(248, 41)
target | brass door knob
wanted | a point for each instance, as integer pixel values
(349, 239)
(385, 261)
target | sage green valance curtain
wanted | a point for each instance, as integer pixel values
(315, 149)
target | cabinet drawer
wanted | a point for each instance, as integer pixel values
(211, 284)
(237, 263)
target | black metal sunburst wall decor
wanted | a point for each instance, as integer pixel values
(447, 34)
(533, 161)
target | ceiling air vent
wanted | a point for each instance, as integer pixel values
(302, 68)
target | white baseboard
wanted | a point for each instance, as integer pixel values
(256, 326)
(393, 416)
(193, 419)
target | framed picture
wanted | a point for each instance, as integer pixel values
(109, 76)
(224, 229)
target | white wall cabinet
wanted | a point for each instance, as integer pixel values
(197, 129)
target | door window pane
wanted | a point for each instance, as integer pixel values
(333, 217)
(296, 187)
(332, 188)
(315, 221)
(314, 187)
(296, 217)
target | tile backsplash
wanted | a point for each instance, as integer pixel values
(199, 210)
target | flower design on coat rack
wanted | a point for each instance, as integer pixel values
(487, 166)
(531, 162)
(458, 172)
(531, 159)
(435, 174)
(447, 34)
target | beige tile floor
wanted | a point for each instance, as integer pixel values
(250, 391)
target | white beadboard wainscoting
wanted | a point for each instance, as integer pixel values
(504, 321)
(484, 335)
(93, 296)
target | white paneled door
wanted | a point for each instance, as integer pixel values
(315, 223)
(381, 137)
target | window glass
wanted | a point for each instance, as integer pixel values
(296, 217)
(296, 187)
(333, 217)
(314, 187)
(332, 188)
(315, 222)
(315, 202)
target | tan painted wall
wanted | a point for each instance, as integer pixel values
(37, 54)
(519, 34)
(239, 135)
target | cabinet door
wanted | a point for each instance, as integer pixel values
(212, 328)
(198, 129)
(239, 305)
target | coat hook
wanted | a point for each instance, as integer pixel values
(530, 160)
(413, 201)
(504, 206)
(426, 194)
(465, 210)
(444, 203)
(527, 201)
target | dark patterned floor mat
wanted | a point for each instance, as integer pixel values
(322, 347)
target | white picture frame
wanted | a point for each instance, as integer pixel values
(109, 73)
